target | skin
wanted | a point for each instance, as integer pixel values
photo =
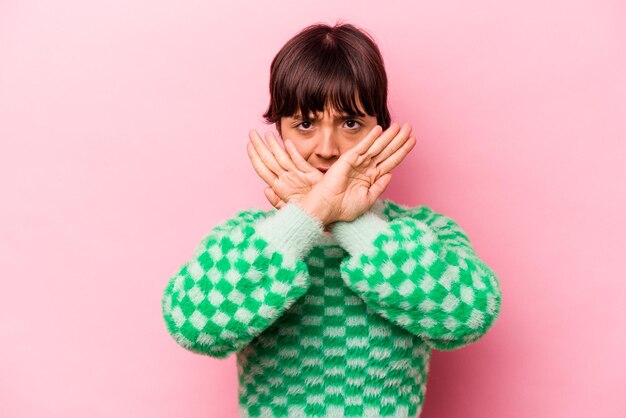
(360, 156)
(321, 141)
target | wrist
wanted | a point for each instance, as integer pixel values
(358, 235)
(316, 208)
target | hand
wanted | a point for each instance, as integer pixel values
(288, 174)
(273, 198)
(353, 183)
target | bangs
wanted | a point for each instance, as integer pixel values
(326, 67)
(330, 87)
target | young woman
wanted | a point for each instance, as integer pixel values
(333, 300)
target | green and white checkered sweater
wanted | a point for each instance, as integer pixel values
(332, 325)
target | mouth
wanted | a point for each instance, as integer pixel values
(323, 170)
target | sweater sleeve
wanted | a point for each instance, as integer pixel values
(419, 270)
(242, 276)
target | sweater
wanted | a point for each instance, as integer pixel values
(333, 325)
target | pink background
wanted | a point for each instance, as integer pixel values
(123, 127)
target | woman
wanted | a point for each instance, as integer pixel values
(333, 300)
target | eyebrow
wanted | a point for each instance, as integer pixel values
(340, 117)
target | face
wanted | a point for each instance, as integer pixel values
(322, 138)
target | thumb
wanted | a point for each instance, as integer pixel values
(380, 185)
(271, 196)
(274, 199)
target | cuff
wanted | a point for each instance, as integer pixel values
(291, 230)
(358, 236)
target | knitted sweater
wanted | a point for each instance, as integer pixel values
(332, 325)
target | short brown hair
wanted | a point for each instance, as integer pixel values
(325, 64)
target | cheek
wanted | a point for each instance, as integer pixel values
(305, 150)
(350, 141)
(303, 147)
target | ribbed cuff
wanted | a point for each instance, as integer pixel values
(358, 236)
(291, 230)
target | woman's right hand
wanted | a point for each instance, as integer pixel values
(273, 198)
(289, 176)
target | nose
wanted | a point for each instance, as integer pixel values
(327, 148)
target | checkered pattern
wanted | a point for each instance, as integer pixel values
(233, 288)
(422, 274)
(333, 333)
(330, 355)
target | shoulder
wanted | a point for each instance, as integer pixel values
(392, 210)
(243, 216)
(254, 213)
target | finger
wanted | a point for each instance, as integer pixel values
(271, 196)
(372, 145)
(266, 174)
(384, 140)
(264, 153)
(298, 159)
(379, 186)
(397, 157)
(394, 145)
(369, 139)
(275, 199)
(281, 156)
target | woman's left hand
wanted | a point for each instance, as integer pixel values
(389, 149)
(361, 174)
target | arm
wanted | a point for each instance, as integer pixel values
(243, 275)
(419, 270)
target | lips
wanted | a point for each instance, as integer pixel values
(322, 169)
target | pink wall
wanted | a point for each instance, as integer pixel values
(123, 127)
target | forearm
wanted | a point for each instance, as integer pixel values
(244, 274)
(419, 270)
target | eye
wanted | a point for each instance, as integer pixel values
(304, 125)
(354, 121)
(301, 123)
